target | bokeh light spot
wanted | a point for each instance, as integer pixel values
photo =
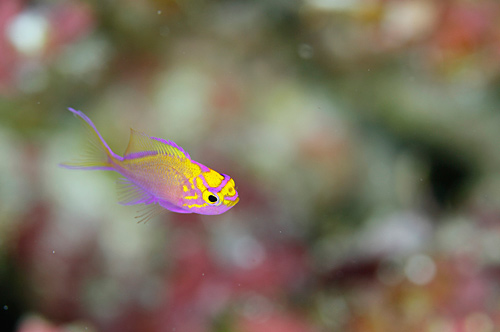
(420, 269)
(28, 32)
(247, 252)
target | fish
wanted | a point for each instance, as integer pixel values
(158, 174)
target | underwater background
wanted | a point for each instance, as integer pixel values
(363, 137)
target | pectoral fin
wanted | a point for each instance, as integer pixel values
(130, 194)
(148, 212)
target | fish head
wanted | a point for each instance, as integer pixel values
(215, 194)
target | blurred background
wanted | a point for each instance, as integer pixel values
(362, 135)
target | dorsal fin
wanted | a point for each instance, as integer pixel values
(142, 143)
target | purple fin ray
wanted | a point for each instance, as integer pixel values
(141, 145)
(89, 122)
(172, 144)
(98, 155)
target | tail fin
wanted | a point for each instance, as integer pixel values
(98, 155)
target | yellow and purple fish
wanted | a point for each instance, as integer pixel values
(158, 173)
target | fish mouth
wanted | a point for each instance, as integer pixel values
(232, 203)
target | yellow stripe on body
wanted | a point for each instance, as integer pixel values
(194, 205)
(195, 196)
(198, 186)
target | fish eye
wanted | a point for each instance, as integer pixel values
(211, 198)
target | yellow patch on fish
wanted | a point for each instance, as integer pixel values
(213, 178)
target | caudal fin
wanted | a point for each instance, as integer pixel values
(98, 155)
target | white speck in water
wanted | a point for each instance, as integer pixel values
(53, 251)
(5, 307)
(38, 102)
(159, 12)
(203, 274)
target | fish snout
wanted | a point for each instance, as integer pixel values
(231, 203)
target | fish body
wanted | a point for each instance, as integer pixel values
(158, 173)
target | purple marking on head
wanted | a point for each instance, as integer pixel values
(204, 181)
(223, 183)
(171, 144)
(231, 198)
(219, 188)
(86, 119)
(141, 154)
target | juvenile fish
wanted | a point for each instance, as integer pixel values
(159, 174)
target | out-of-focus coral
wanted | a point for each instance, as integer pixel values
(362, 136)
(37, 324)
(274, 323)
(33, 38)
(33, 324)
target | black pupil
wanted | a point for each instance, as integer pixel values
(212, 198)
